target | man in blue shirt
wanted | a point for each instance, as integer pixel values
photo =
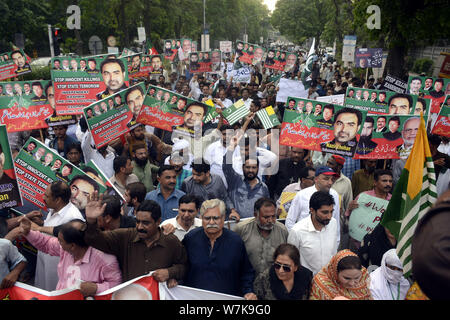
(243, 190)
(217, 257)
(166, 195)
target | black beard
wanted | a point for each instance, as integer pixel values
(141, 162)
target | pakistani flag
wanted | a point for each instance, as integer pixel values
(211, 114)
(268, 117)
(236, 112)
(413, 195)
(306, 73)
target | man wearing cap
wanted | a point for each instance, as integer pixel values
(343, 187)
(324, 179)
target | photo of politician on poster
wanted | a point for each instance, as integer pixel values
(9, 190)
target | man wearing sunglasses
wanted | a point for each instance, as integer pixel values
(217, 257)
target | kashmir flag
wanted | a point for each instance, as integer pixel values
(413, 195)
(235, 112)
(306, 73)
(268, 117)
(212, 113)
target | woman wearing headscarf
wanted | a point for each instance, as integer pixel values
(286, 279)
(387, 281)
(342, 278)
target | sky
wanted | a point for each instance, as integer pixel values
(270, 4)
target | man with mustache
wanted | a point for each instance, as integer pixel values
(366, 144)
(142, 167)
(316, 236)
(217, 257)
(262, 234)
(139, 250)
(167, 196)
(382, 187)
(347, 123)
(363, 179)
(113, 73)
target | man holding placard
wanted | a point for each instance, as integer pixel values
(366, 210)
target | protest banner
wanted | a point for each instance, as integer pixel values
(395, 84)
(367, 216)
(14, 63)
(280, 60)
(111, 117)
(170, 49)
(184, 47)
(387, 136)
(9, 190)
(335, 99)
(141, 288)
(442, 124)
(368, 57)
(268, 117)
(37, 166)
(126, 52)
(200, 62)
(80, 82)
(226, 47)
(153, 65)
(243, 75)
(313, 125)
(432, 88)
(138, 68)
(293, 88)
(24, 104)
(216, 61)
(170, 111)
(386, 102)
(249, 53)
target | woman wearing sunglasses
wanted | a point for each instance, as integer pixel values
(286, 279)
(343, 278)
(387, 281)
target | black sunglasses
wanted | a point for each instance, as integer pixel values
(284, 266)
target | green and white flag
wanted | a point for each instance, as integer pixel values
(413, 196)
(306, 73)
(268, 117)
(236, 112)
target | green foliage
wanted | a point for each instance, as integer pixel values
(423, 65)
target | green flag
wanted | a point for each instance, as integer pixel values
(414, 194)
(236, 112)
(268, 117)
(306, 73)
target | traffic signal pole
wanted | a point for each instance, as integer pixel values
(50, 39)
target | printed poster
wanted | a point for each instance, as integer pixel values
(200, 61)
(395, 84)
(26, 105)
(9, 190)
(14, 63)
(387, 136)
(79, 82)
(367, 216)
(280, 60)
(368, 57)
(168, 110)
(37, 166)
(111, 117)
(431, 88)
(249, 53)
(386, 102)
(171, 47)
(313, 125)
(442, 125)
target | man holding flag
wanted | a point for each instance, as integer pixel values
(413, 195)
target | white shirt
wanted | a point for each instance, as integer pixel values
(91, 153)
(46, 266)
(316, 247)
(179, 230)
(300, 207)
(267, 159)
(214, 155)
